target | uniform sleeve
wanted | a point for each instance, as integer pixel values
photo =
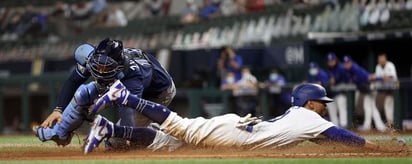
(69, 88)
(344, 136)
(134, 85)
(392, 71)
(239, 61)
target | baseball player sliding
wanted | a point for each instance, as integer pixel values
(303, 121)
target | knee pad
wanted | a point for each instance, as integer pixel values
(85, 95)
(71, 120)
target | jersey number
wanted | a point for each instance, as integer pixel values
(134, 64)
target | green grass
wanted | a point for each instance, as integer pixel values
(234, 161)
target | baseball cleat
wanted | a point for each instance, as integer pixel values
(117, 92)
(102, 128)
(38, 132)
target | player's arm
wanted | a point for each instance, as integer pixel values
(69, 88)
(344, 136)
(66, 93)
(349, 138)
(77, 77)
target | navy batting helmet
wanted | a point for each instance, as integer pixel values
(308, 91)
(111, 48)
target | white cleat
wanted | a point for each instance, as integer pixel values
(102, 128)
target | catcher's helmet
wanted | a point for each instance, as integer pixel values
(111, 48)
(103, 68)
(308, 91)
(83, 52)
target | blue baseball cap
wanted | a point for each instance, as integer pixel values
(331, 56)
(313, 65)
(347, 58)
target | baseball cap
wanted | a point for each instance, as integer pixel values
(313, 65)
(347, 58)
(331, 56)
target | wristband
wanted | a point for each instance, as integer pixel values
(58, 109)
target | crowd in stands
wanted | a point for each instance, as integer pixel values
(240, 23)
(59, 20)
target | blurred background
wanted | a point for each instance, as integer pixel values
(37, 40)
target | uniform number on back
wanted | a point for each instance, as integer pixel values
(135, 64)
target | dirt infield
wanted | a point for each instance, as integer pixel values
(74, 152)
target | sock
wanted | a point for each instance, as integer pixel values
(156, 112)
(145, 136)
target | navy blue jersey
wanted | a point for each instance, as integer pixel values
(360, 77)
(358, 74)
(143, 75)
(320, 78)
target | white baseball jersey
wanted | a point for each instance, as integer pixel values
(388, 70)
(296, 125)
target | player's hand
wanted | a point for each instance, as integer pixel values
(394, 149)
(248, 120)
(400, 145)
(372, 77)
(397, 145)
(54, 116)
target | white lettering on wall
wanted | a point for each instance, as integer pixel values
(294, 55)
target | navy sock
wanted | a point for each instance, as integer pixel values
(156, 112)
(144, 136)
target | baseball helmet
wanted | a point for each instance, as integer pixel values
(308, 91)
(111, 48)
(83, 52)
(104, 69)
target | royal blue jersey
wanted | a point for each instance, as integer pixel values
(321, 78)
(238, 73)
(339, 73)
(358, 75)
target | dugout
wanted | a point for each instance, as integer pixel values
(364, 48)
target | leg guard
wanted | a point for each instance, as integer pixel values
(73, 116)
